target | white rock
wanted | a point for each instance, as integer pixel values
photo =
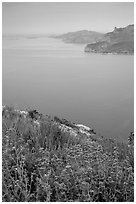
(23, 113)
(84, 132)
(83, 127)
(67, 129)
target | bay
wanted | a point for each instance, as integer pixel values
(60, 79)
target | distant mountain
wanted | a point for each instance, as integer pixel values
(119, 41)
(81, 37)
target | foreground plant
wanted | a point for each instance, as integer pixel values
(43, 163)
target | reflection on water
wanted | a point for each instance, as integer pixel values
(60, 79)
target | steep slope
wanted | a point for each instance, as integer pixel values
(119, 41)
(125, 34)
(47, 159)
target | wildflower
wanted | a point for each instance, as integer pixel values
(85, 185)
(101, 184)
(115, 160)
(36, 122)
(99, 148)
(109, 179)
(68, 166)
(91, 192)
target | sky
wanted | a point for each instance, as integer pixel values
(55, 17)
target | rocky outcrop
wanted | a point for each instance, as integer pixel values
(119, 41)
(97, 47)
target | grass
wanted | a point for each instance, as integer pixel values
(42, 163)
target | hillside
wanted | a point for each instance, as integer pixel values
(81, 37)
(119, 41)
(47, 159)
(125, 34)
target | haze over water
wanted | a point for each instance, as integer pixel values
(60, 79)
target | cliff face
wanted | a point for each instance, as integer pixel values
(119, 41)
(97, 47)
(125, 34)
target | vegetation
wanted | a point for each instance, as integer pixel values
(44, 162)
(81, 37)
(120, 41)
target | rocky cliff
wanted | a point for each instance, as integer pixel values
(119, 41)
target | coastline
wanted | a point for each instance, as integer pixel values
(109, 53)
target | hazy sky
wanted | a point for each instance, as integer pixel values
(63, 17)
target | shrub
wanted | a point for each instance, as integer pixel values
(42, 163)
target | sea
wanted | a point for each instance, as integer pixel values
(60, 79)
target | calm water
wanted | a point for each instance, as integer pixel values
(60, 79)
